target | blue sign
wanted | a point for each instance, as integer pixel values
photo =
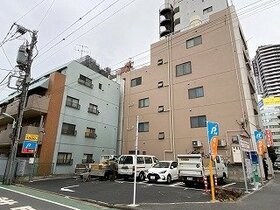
(212, 130)
(254, 157)
(29, 146)
(259, 135)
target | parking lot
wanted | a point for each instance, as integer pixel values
(120, 192)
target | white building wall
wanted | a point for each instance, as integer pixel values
(191, 11)
(105, 123)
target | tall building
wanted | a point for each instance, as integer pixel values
(269, 112)
(266, 66)
(196, 75)
(74, 110)
(176, 15)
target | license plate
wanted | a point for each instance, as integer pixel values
(189, 178)
(152, 177)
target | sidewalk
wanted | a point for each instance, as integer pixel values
(266, 198)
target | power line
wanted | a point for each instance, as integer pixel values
(6, 56)
(54, 45)
(48, 10)
(79, 19)
(30, 10)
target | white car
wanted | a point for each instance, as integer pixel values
(163, 171)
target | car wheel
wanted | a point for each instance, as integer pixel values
(168, 179)
(141, 176)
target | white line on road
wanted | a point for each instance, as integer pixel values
(227, 185)
(42, 199)
(66, 189)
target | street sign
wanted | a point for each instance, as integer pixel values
(31, 137)
(244, 145)
(260, 142)
(268, 138)
(29, 147)
(213, 133)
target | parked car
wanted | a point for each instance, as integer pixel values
(163, 171)
(277, 164)
(126, 165)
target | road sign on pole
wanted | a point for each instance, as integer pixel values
(212, 133)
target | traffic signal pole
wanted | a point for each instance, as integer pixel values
(11, 163)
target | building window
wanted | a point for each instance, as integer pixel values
(143, 127)
(100, 86)
(198, 121)
(93, 109)
(88, 158)
(194, 41)
(177, 21)
(196, 92)
(137, 81)
(64, 158)
(183, 69)
(83, 80)
(68, 129)
(90, 133)
(73, 102)
(145, 102)
(161, 135)
(207, 10)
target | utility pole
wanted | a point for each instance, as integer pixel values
(26, 67)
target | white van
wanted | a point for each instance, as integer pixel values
(126, 165)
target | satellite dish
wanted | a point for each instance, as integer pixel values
(195, 21)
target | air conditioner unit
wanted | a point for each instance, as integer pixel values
(161, 109)
(235, 139)
(196, 143)
(222, 143)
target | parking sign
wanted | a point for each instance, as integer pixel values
(213, 133)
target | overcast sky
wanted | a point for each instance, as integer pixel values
(124, 35)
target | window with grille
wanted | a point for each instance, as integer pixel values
(72, 102)
(143, 127)
(145, 102)
(194, 41)
(90, 133)
(183, 69)
(198, 121)
(88, 158)
(196, 92)
(93, 109)
(68, 129)
(137, 81)
(64, 158)
(83, 80)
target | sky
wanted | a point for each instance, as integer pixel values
(111, 38)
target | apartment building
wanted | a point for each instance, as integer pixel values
(74, 109)
(195, 75)
(266, 66)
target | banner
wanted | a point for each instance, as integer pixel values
(213, 133)
(268, 138)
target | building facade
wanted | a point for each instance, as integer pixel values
(269, 112)
(196, 75)
(267, 70)
(74, 109)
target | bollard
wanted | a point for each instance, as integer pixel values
(216, 180)
(205, 183)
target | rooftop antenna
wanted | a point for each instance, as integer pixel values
(83, 49)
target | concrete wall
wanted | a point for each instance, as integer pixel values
(105, 123)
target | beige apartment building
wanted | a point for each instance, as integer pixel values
(200, 74)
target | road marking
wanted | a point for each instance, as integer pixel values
(176, 184)
(227, 185)
(66, 189)
(42, 199)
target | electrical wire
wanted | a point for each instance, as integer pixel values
(6, 56)
(70, 26)
(47, 12)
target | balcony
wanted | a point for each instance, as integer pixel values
(36, 105)
(5, 134)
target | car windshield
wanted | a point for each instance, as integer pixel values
(162, 165)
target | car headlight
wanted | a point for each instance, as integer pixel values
(162, 172)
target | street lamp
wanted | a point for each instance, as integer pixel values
(14, 120)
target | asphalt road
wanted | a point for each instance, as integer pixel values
(19, 198)
(120, 192)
